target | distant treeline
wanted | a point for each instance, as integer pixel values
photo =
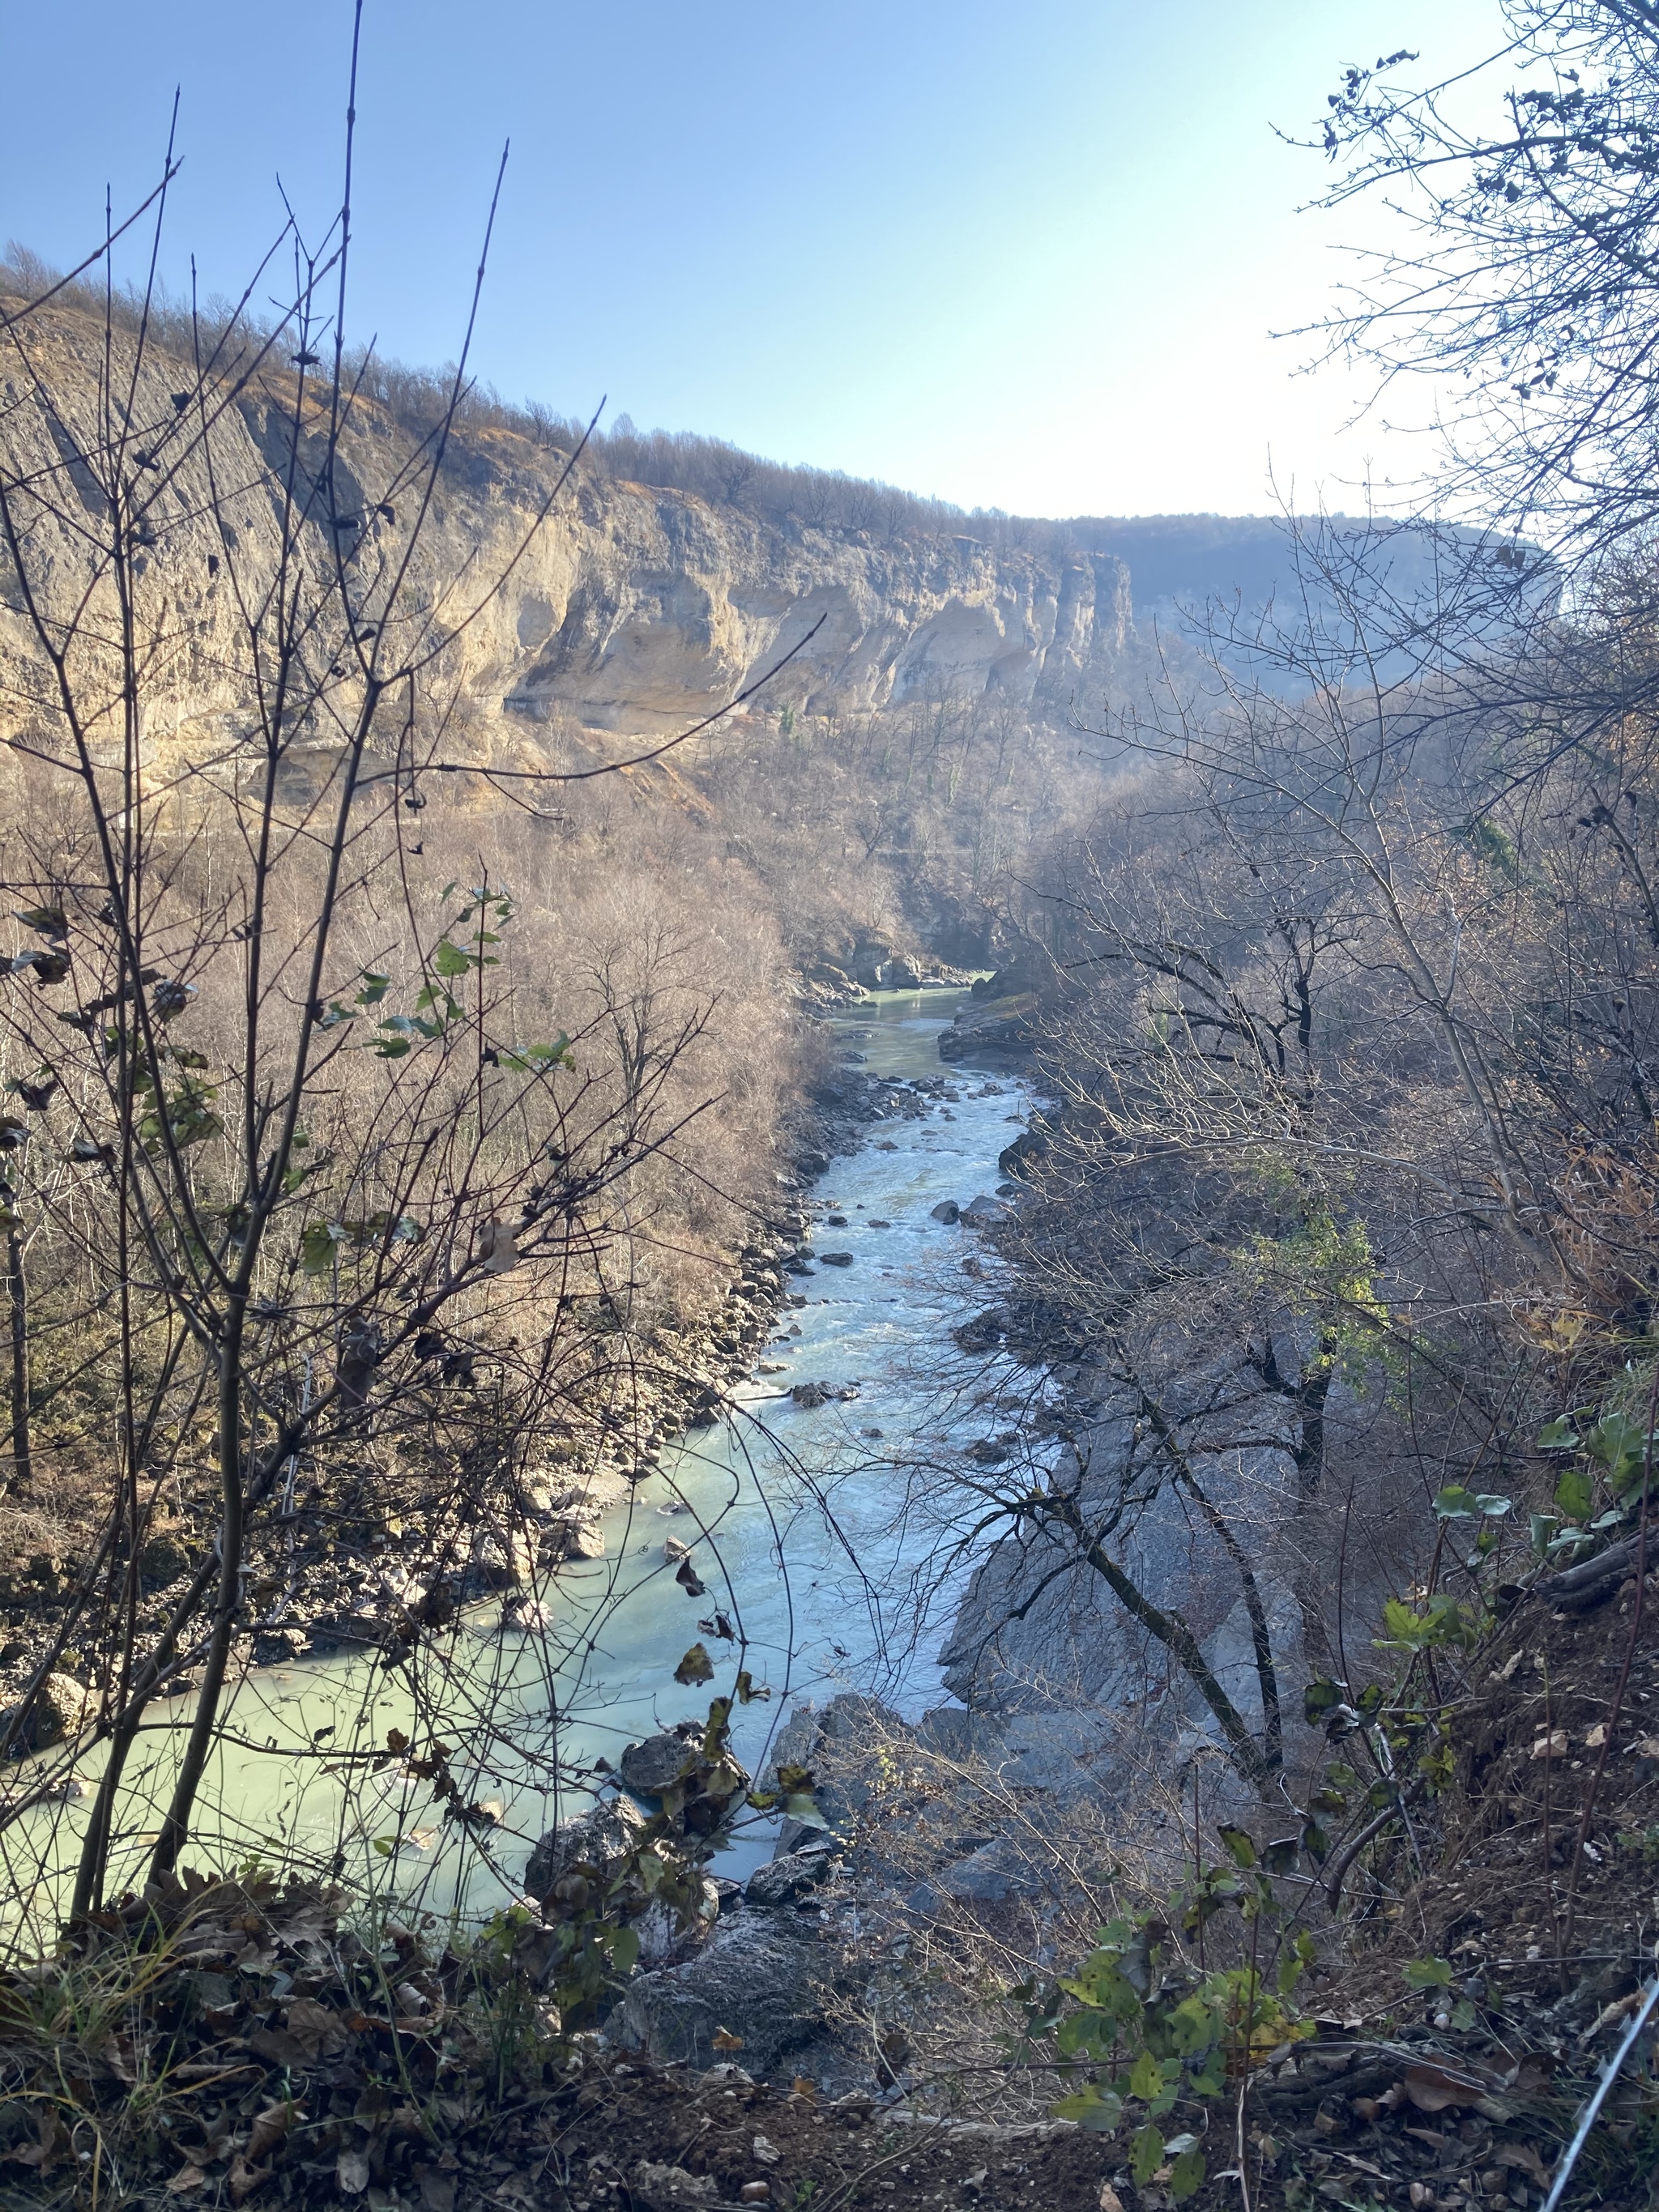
(678, 460)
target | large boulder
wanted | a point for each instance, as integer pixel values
(598, 1842)
(761, 1976)
(61, 1710)
(649, 1768)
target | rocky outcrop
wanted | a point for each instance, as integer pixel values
(632, 609)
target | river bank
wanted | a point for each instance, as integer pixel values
(571, 1612)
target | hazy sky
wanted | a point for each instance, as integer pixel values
(1026, 257)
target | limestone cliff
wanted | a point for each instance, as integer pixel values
(631, 609)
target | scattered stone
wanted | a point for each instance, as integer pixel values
(947, 1211)
(835, 1259)
(669, 2188)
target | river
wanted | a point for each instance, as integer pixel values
(820, 1601)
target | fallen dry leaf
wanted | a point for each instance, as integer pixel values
(1524, 2159)
(269, 2129)
(351, 2172)
(245, 2178)
(311, 2025)
(186, 2178)
(1109, 2199)
(1435, 2088)
(723, 2039)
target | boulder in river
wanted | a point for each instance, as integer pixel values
(595, 1845)
(947, 1211)
(649, 1768)
(59, 1714)
(983, 1209)
(835, 1259)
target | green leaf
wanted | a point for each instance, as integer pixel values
(695, 1667)
(393, 1047)
(1429, 1974)
(1098, 2109)
(1239, 1847)
(1147, 2078)
(1280, 1857)
(625, 1949)
(801, 1805)
(1187, 2175)
(1320, 1698)
(1575, 1493)
(1558, 1434)
(374, 989)
(450, 961)
(319, 1242)
(1147, 2155)
(1456, 1504)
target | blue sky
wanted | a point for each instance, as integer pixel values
(1018, 257)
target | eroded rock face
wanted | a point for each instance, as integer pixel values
(633, 610)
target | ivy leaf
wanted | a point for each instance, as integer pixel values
(374, 989)
(1558, 1436)
(1428, 1974)
(1147, 2154)
(1239, 1847)
(451, 961)
(1186, 2175)
(695, 1667)
(1146, 2081)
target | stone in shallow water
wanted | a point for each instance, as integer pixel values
(947, 1210)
